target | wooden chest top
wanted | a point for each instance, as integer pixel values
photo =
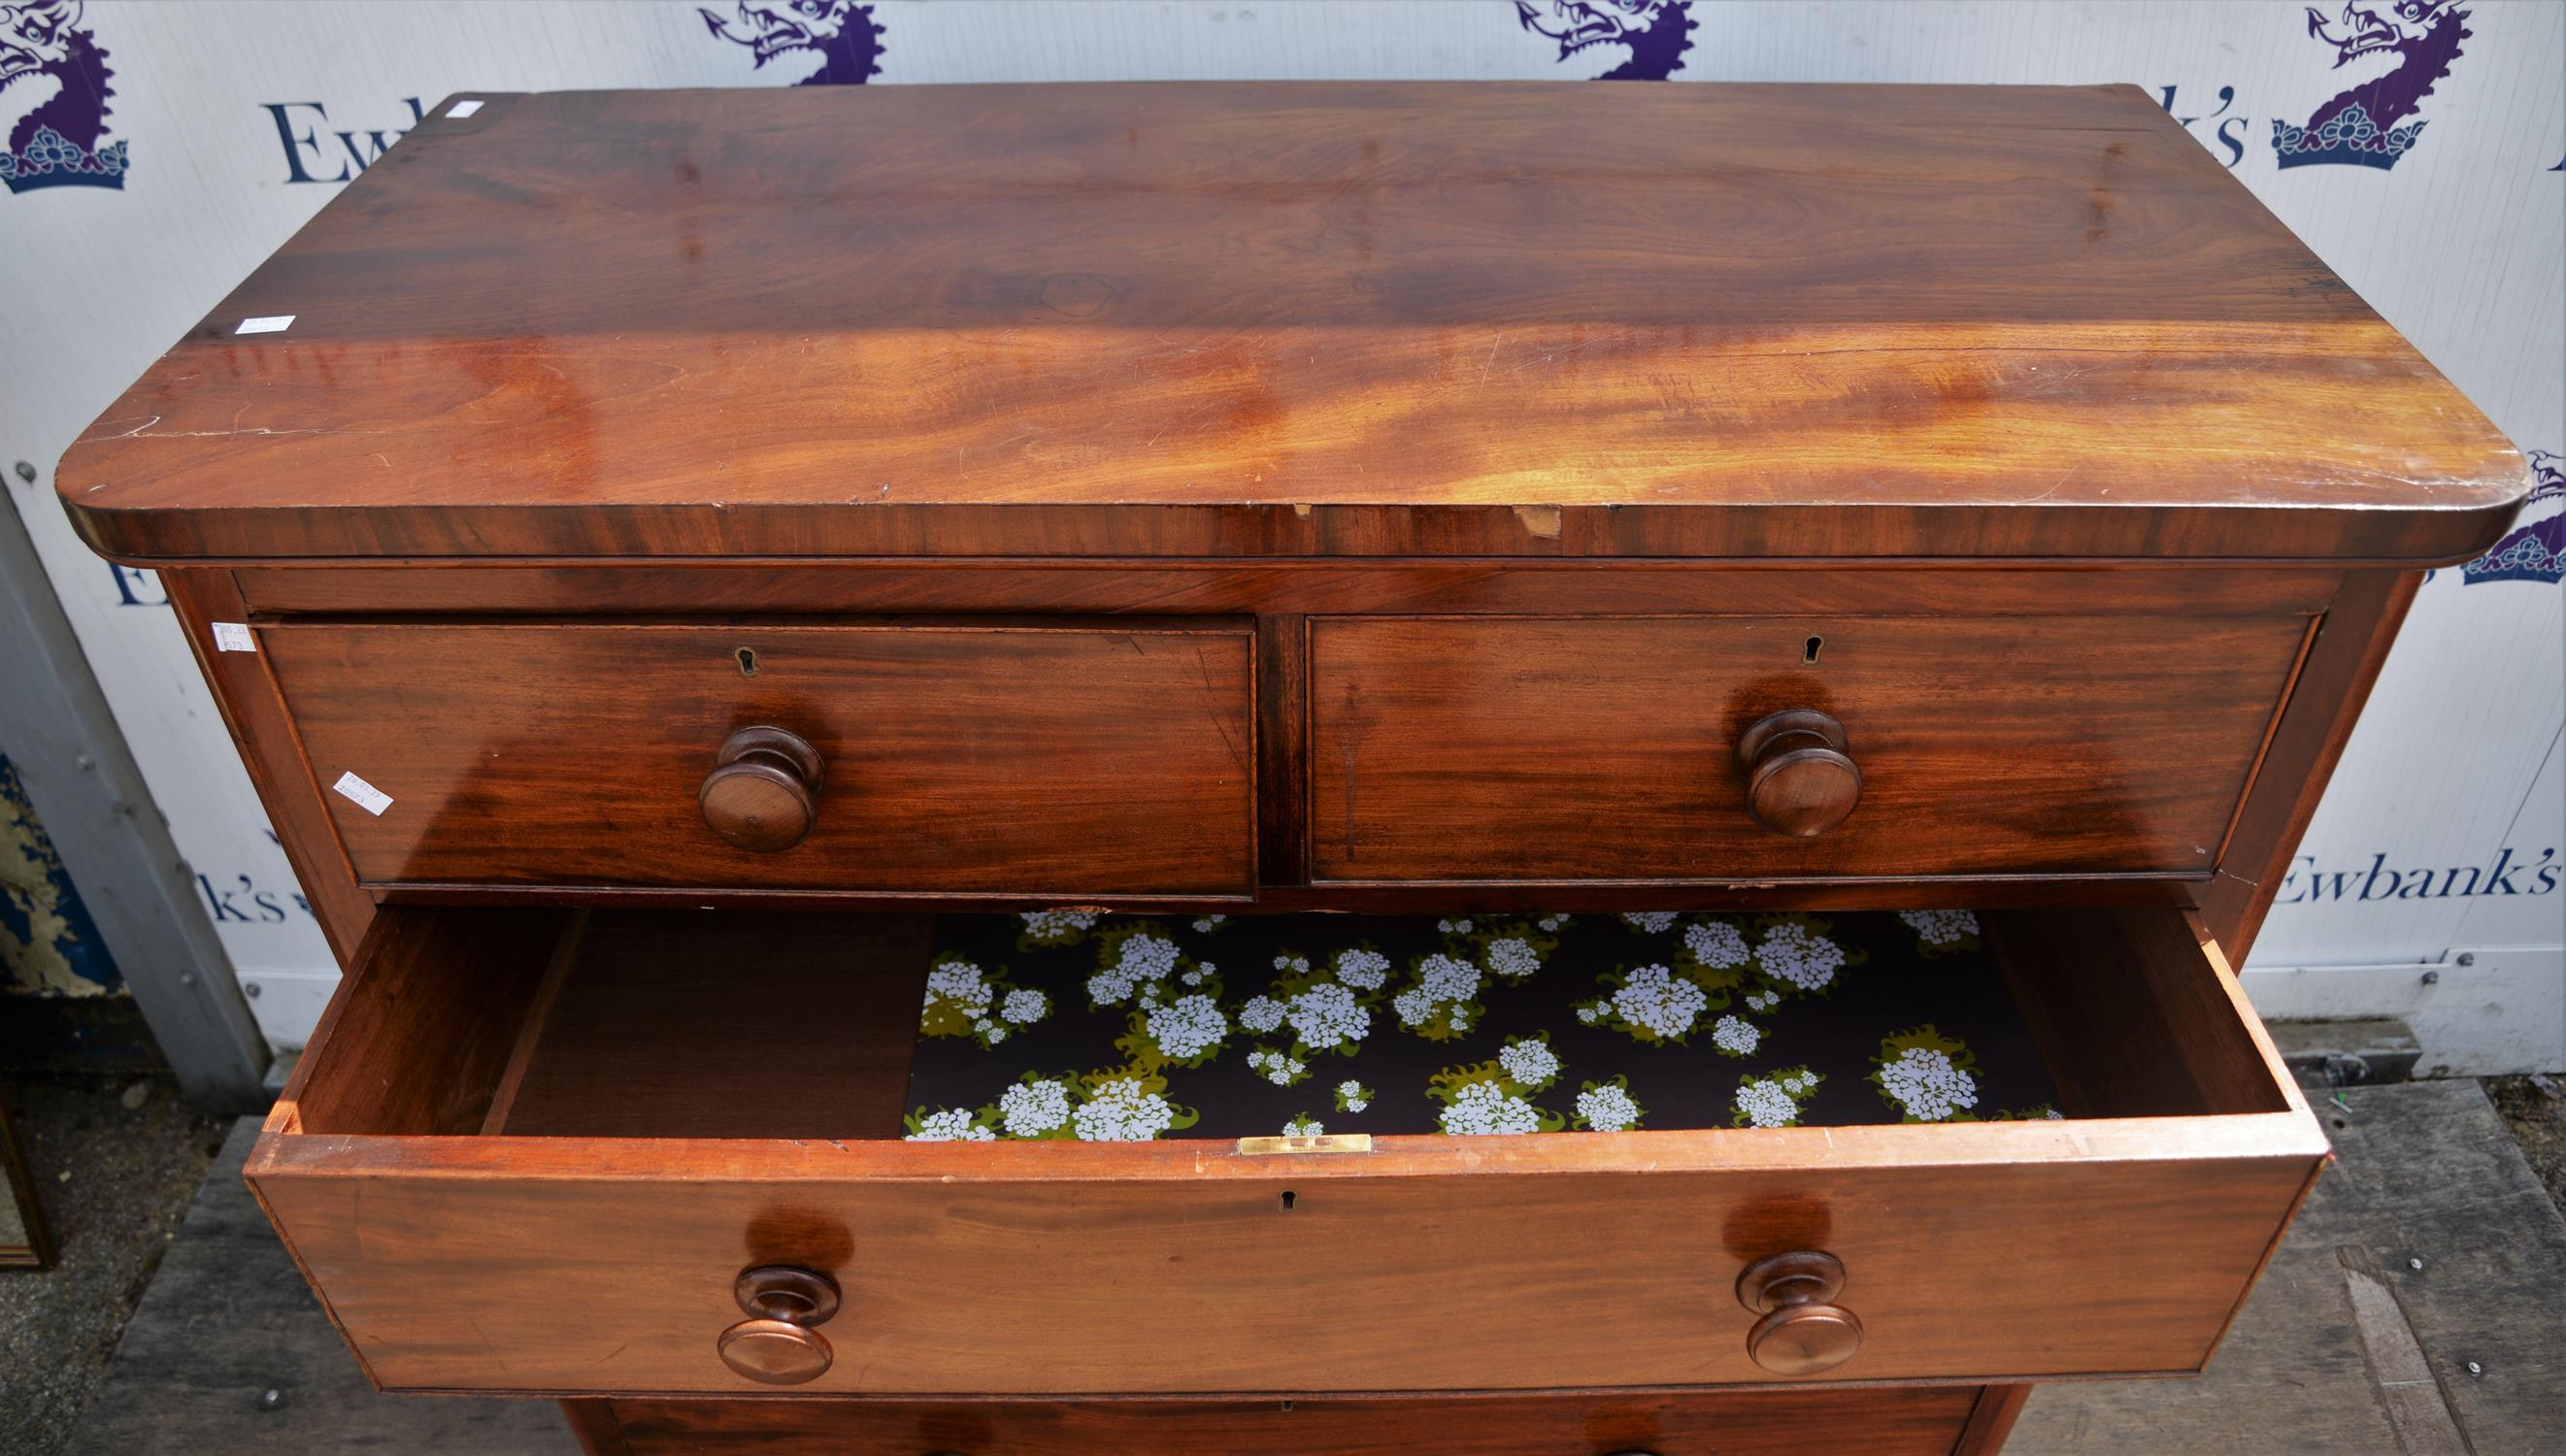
(1296, 319)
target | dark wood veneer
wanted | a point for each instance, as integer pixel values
(634, 1048)
(1605, 748)
(1270, 588)
(1030, 760)
(1278, 319)
(1910, 1422)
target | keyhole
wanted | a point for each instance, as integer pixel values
(1289, 1199)
(1809, 654)
(748, 660)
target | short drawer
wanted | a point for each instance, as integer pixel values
(893, 756)
(537, 1151)
(1489, 749)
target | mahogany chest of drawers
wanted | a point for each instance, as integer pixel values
(691, 547)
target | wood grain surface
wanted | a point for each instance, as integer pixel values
(1293, 319)
(2344, 661)
(245, 693)
(2134, 1030)
(1994, 1250)
(1270, 588)
(807, 1040)
(1912, 1422)
(424, 1051)
(1023, 759)
(1489, 749)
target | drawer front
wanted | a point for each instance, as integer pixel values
(1493, 749)
(1013, 760)
(585, 1280)
(1925, 1421)
(462, 1241)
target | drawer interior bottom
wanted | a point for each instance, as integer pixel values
(714, 1024)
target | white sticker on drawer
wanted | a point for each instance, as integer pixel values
(362, 794)
(266, 324)
(233, 637)
(461, 109)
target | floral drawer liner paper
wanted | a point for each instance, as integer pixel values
(1126, 1028)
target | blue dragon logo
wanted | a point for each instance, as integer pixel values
(845, 33)
(1656, 33)
(2367, 126)
(2535, 552)
(53, 101)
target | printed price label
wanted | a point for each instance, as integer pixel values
(233, 637)
(365, 796)
(266, 324)
(461, 109)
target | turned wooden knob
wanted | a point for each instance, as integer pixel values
(1803, 1330)
(776, 1352)
(1800, 779)
(775, 1344)
(764, 790)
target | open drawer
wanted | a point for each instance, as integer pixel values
(538, 1151)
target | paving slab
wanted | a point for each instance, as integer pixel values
(228, 1318)
(2345, 1346)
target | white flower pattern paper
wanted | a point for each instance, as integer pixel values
(1466, 1025)
(1123, 1110)
(1608, 1106)
(1941, 932)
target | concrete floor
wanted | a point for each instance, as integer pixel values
(2415, 1308)
(2344, 1347)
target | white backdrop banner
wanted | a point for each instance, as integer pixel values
(155, 152)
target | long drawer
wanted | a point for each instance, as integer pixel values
(1933, 1420)
(541, 1150)
(909, 756)
(1494, 749)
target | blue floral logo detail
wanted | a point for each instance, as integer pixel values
(2349, 136)
(2530, 551)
